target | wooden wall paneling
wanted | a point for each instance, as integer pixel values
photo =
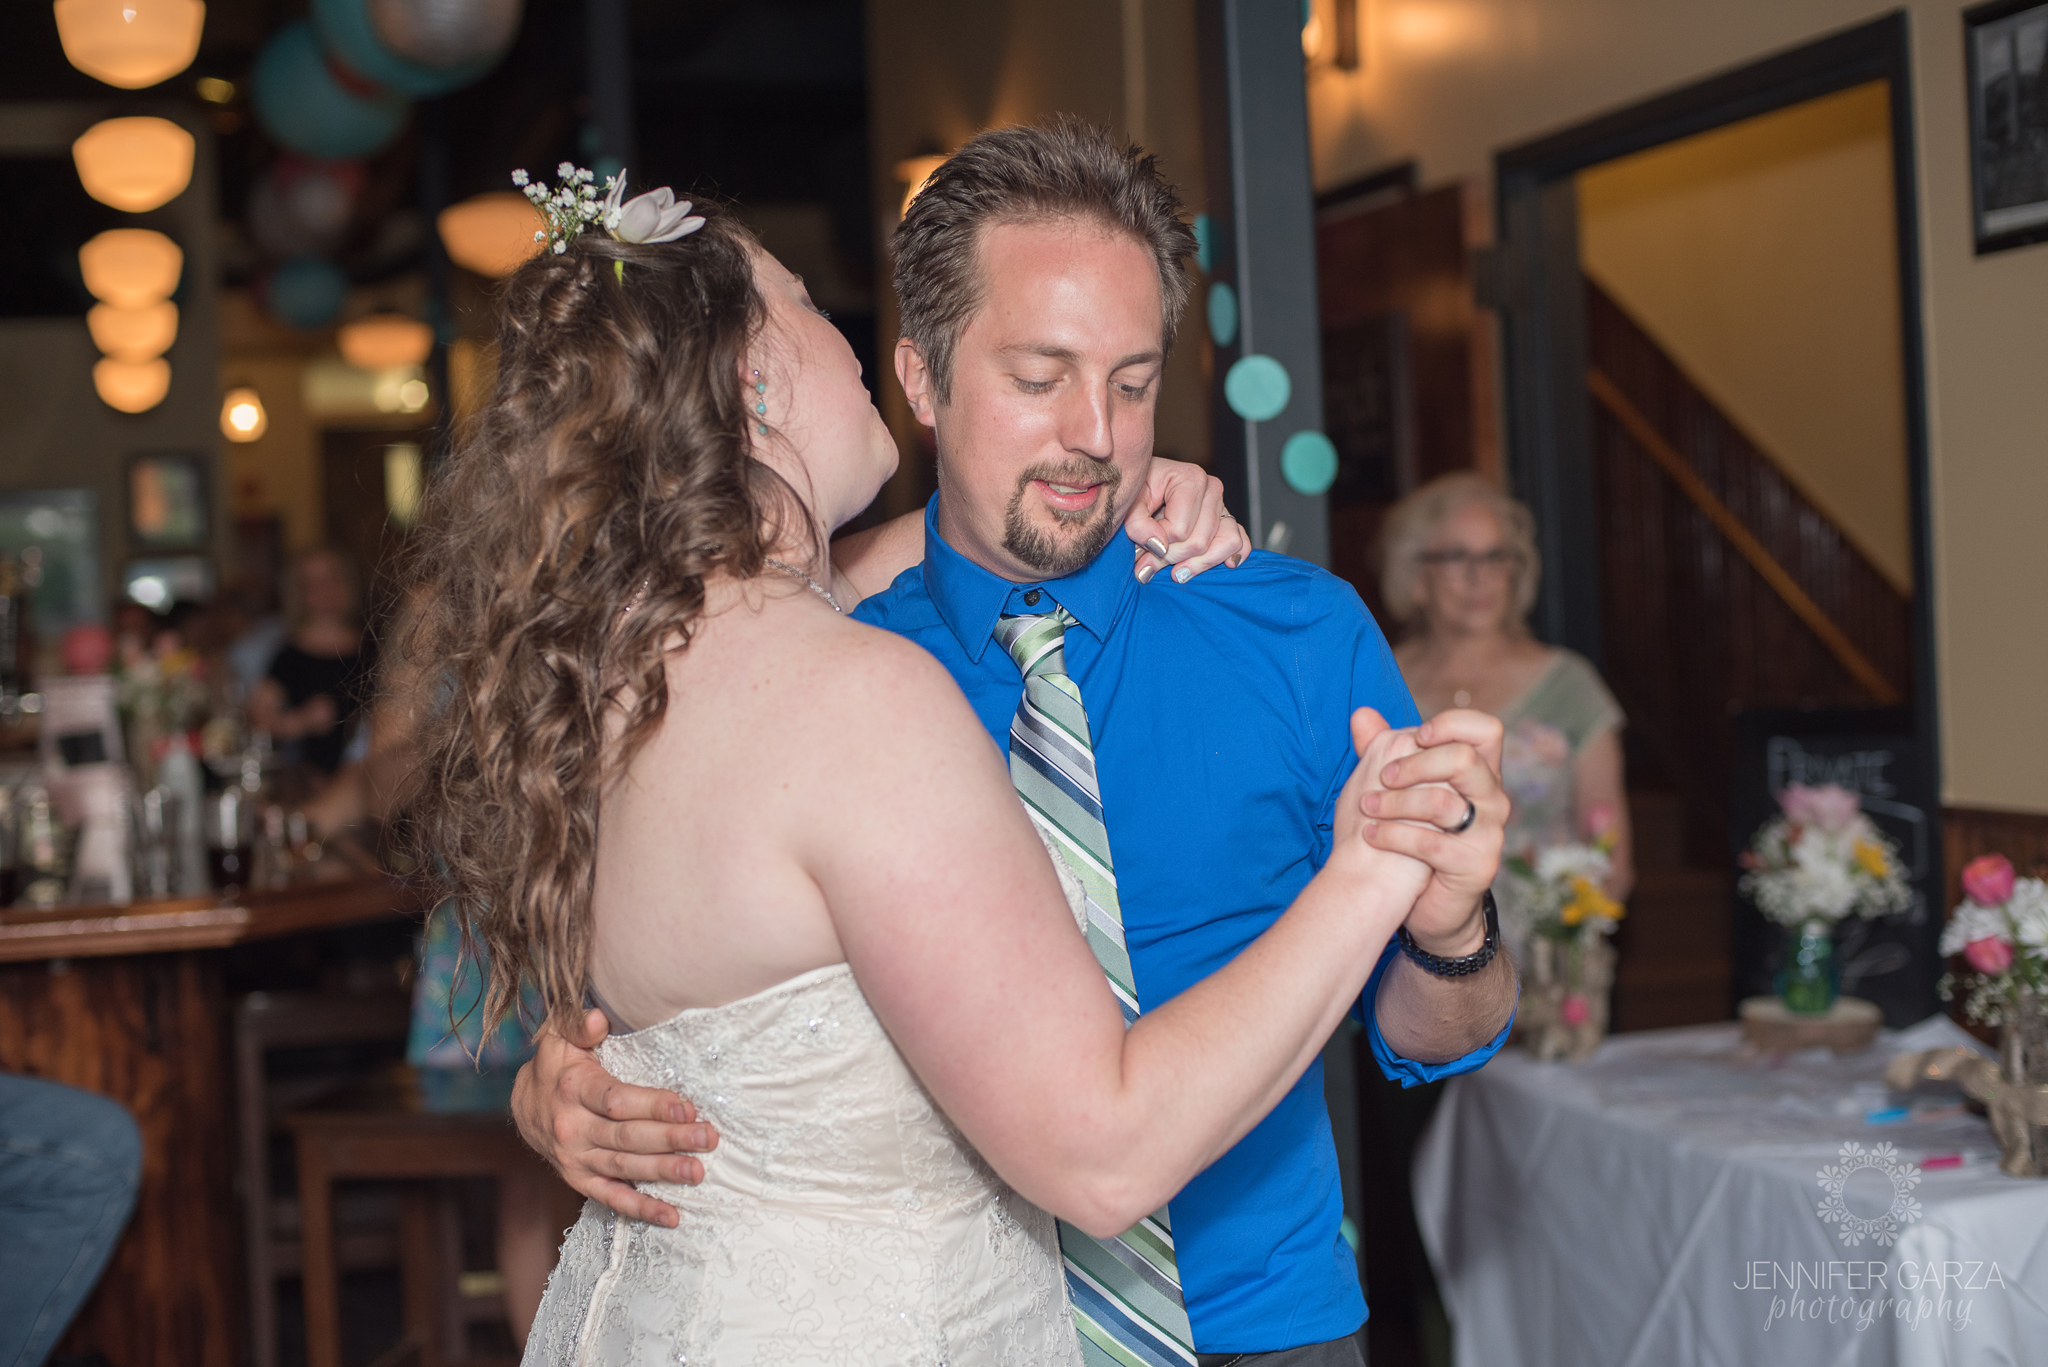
(1967, 832)
(1409, 257)
(1401, 269)
(148, 1032)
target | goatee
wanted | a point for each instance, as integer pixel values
(1080, 535)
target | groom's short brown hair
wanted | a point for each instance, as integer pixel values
(1067, 169)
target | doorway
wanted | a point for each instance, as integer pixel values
(1713, 377)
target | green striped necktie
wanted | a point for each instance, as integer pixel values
(1125, 1290)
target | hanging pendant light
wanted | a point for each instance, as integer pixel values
(130, 43)
(134, 334)
(385, 341)
(131, 267)
(134, 164)
(241, 415)
(131, 386)
(491, 234)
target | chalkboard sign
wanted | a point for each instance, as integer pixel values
(1875, 753)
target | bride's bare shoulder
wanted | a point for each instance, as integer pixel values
(872, 669)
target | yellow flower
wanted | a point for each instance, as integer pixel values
(1871, 859)
(1588, 899)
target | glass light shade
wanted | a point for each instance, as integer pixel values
(130, 267)
(131, 386)
(136, 334)
(385, 340)
(491, 234)
(134, 164)
(241, 415)
(130, 43)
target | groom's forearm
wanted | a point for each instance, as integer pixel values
(1436, 1020)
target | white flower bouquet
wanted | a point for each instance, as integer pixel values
(1822, 859)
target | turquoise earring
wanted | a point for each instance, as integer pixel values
(760, 407)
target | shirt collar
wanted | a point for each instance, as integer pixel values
(970, 598)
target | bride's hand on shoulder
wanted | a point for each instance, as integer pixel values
(601, 1134)
(1181, 521)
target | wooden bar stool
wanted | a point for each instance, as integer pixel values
(383, 1133)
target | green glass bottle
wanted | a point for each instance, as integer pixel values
(1810, 979)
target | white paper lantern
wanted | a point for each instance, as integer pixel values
(301, 207)
(444, 32)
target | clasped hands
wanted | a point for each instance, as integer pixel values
(1410, 789)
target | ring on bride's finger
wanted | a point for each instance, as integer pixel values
(1471, 815)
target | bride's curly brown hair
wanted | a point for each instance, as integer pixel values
(612, 468)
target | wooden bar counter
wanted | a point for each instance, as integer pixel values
(129, 1001)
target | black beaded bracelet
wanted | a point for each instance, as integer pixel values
(1468, 963)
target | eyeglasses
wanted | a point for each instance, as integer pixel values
(1499, 560)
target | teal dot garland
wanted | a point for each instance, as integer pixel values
(1257, 388)
(1308, 462)
(1222, 308)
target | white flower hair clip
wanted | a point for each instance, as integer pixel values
(656, 216)
(573, 205)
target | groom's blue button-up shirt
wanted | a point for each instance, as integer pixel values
(1220, 711)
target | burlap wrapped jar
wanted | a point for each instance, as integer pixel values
(2015, 1088)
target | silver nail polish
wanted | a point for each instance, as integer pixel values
(1145, 573)
(1181, 574)
(1156, 546)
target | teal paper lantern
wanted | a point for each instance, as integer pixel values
(299, 101)
(1222, 313)
(306, 292)
(1257, 388)
(1308, 462)
(345, 28)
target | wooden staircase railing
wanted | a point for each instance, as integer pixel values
(1782, 583)
(1722, 585)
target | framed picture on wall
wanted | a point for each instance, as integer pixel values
(2006, 47)
(167, 501)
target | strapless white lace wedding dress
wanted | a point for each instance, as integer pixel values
(842, 1219)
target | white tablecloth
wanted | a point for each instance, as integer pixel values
(1656, 1207)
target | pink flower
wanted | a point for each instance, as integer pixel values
(1575, 1011)
(1987, 879)
(1830, 806)
(1988, 955)
(1600, 820)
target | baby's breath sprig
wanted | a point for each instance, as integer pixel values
(569, 208)
(573, 205)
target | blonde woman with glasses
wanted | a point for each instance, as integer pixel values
(1458, 572)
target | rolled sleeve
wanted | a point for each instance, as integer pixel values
(1407, 1071)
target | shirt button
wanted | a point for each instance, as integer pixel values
(1031, 598)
